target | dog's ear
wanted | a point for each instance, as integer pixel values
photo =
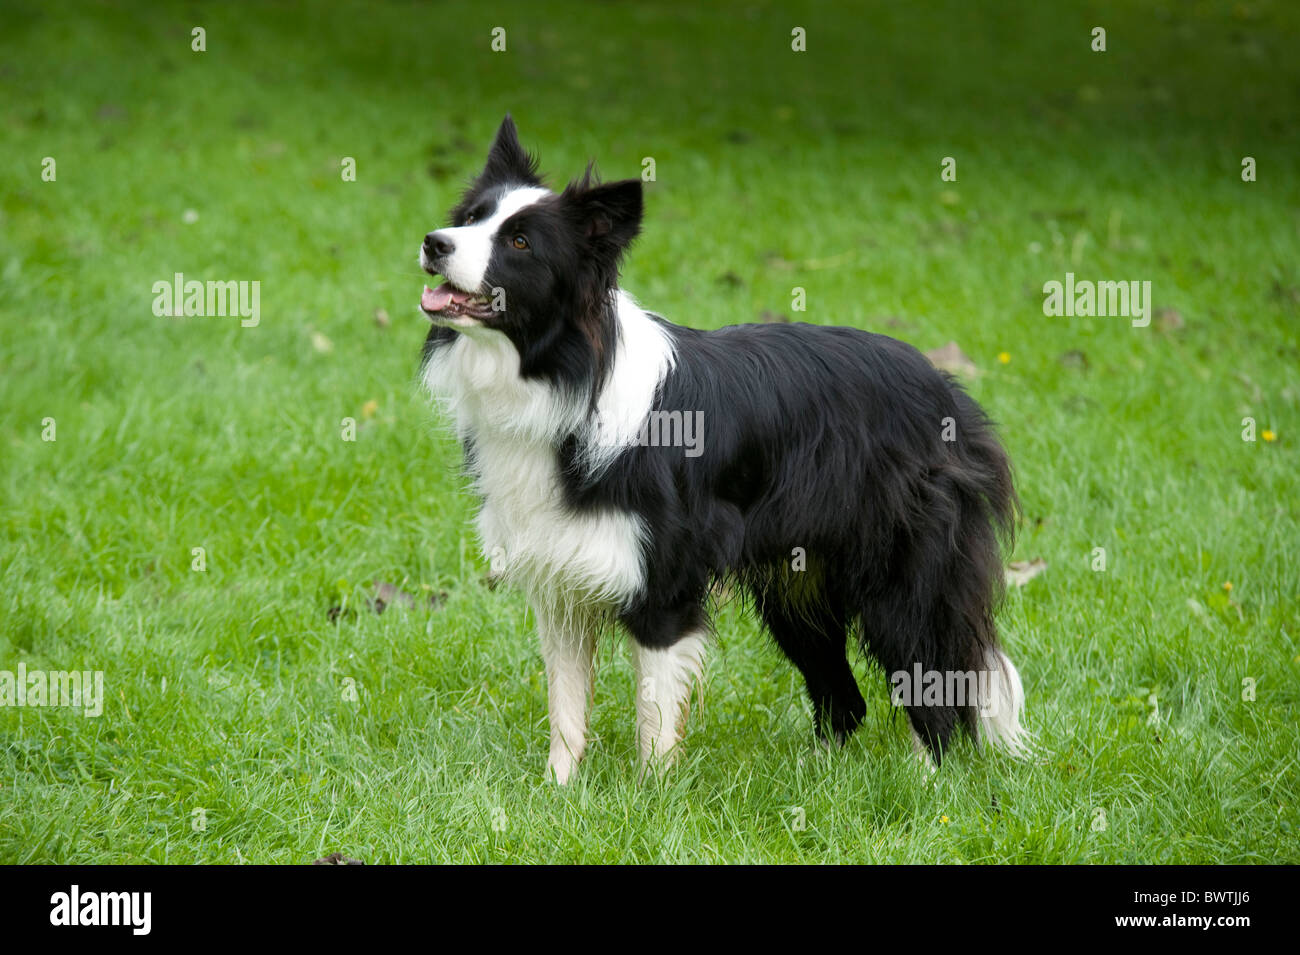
(507, 160)
(608, 215)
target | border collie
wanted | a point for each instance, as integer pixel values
(627, 465)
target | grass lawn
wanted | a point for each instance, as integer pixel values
(243, 722)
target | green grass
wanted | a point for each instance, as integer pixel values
(228, 690)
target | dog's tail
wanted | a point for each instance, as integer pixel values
(987, 524)
(1001, 701)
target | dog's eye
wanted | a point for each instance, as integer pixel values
(469, 219)
(519, 242)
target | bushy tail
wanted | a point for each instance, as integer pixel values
(1002, 699)
(989, 517)
(993, 504)
(944, 578)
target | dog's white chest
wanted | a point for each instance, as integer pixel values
(534, 541)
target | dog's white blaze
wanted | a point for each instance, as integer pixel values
(664, 682)
(1000, 715)
(515, 426)
(467, 265)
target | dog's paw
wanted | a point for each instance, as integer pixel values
(560, 768)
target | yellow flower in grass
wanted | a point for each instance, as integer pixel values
(944, 820)
(1268, 435)
(1004, 357)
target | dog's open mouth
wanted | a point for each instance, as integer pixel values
(447, 301)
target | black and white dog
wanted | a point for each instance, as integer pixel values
(626, 465)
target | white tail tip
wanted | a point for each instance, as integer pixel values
(999, 713)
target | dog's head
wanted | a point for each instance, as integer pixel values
(522, 260)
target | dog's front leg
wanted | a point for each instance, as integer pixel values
(568, 646)
(664, 681)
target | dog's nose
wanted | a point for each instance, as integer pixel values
(438, 243)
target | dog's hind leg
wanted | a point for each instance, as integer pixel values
(568, 645)
(813, 637)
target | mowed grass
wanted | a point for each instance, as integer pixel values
(1165, 703)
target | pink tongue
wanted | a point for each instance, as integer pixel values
(436, 299)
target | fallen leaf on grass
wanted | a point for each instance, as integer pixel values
(1285, 292)
(1074, 358)
(386, 595)
(1169, 320)
(1021, 572)
(951, 358)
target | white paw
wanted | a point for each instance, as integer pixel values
(561, 767)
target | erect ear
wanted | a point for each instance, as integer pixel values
(607, 215)
(507, 161)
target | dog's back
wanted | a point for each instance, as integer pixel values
(848, 484)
